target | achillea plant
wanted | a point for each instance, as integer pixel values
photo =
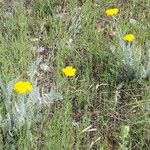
(22, 102)
(131, 55)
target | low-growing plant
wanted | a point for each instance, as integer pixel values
(22, 108)
(134, 59)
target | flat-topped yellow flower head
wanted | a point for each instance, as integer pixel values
(112, 11)
(69, 71)
(129, 37)
(22, 87)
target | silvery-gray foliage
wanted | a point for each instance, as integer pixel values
(32, 69)
(52, 96)
(131, 55)
(25, 109)
(10, 87)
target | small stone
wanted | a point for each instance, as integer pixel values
(8, 14)
(133, 21)
(34, 48)
(40, 49)
(44, 67)
(69, 42)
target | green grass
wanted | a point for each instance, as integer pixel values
(89, 98)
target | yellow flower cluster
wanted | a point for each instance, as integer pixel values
(112, 11)
(22, 87)
(69, 71)
(129, 37)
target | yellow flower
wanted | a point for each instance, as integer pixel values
(69, 71)
(112, 11)
(22, 87)
(129, 37)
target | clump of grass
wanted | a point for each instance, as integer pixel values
(124, 134)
